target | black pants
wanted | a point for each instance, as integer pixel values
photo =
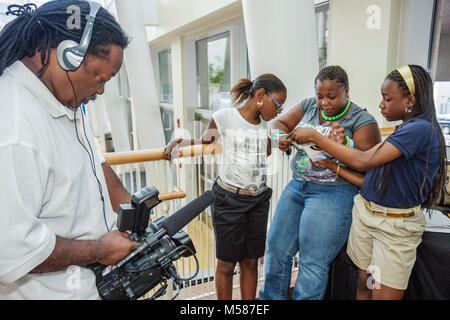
(240, 224)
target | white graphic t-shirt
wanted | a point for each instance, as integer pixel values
(243, 161)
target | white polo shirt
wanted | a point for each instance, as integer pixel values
(47, 189)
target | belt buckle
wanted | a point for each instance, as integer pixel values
(369, 208)
(261, 190)
(367, 205)
(258, 191)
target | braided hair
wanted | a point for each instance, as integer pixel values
(38, 30)
(245, 88)
(332, 73)
(423, 108)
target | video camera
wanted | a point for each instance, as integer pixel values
(162, 242)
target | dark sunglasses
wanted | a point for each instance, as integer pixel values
(279, 105)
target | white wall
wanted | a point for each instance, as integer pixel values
(281, 39)
(370, 38)
(177, 16)
(363, 40)
(415, 32)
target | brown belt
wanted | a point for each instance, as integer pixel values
(247, 192)
(387, 213)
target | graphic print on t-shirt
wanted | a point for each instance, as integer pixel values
(245, 157)
(302, 164)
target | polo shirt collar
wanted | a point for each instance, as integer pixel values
(29, 80)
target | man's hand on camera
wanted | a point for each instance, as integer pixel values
(114, 246)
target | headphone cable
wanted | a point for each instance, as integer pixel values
(91, 157)
(95, 172)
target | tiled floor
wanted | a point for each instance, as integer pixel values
(236, 291)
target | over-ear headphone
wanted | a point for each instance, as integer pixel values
(70, 54)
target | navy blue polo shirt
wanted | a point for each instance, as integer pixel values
(407, 171)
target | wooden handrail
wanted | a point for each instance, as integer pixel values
(177, 193)
(133, 156)
(199, 149)
(125, 157)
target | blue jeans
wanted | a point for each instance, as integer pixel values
(313, 220)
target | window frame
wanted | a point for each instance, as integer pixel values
(164, 107)
(159, 52)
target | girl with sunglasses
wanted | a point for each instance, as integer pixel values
(240, 211)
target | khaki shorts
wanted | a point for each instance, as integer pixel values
(385, 246)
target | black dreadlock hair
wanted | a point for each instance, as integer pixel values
(332, 73)
(41, 29)
(245, 88)
(423, 108)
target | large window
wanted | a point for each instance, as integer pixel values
(165, 77)
(213, 72)
(322, 24)
(167, 121)
(125, 95)
(442, 97)
(440, 62)
(164, 71)
(440, 65)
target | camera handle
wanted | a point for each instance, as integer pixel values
(149, 241)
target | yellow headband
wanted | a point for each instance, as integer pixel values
(406, 73)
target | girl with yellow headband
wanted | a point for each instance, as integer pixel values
(403, 175)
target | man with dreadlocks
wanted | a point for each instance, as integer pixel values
(403, 175)
(56, 213)
(313, 214)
